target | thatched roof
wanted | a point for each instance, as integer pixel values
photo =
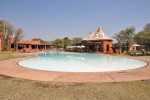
(98, 35)
(34, 42)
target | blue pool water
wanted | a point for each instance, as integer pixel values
(80, 62)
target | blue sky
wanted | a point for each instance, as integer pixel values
(50, 19)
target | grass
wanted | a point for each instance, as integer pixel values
(21, 89)
(9, 55)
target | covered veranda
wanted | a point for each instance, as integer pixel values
(32, 45)
(93, 46)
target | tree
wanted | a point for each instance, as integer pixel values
(76, 40)
(143, 37)
(125, 38)
(18, 36)
(66, 42)
(7, 29)
(62, 43)
(58, 43)
(147, 27)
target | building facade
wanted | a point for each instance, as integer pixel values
(26, 45)
(98, 42)
(33, 45)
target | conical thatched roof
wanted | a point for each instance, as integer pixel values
(98, 35)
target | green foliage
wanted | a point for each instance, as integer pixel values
(1, 26)
(76, 40)
(143, 37)
(136, 53)
(147, 27)
(125, 38)
(64, 42)
(58, 43)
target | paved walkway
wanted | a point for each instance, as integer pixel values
(11, 68)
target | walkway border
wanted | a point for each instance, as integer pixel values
(11, 68)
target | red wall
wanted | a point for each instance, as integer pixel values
(109, 48)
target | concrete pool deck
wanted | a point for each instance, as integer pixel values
(11, 68)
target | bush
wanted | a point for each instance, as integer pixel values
(136, 53)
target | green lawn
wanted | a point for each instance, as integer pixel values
(20, 89)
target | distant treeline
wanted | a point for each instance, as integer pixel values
(66, 41)
(126, 37)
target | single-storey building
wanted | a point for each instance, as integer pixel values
(32, 45)
(98, 42)
(26, 45)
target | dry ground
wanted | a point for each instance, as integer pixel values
(21, 89)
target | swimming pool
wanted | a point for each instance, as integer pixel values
(80, 62)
